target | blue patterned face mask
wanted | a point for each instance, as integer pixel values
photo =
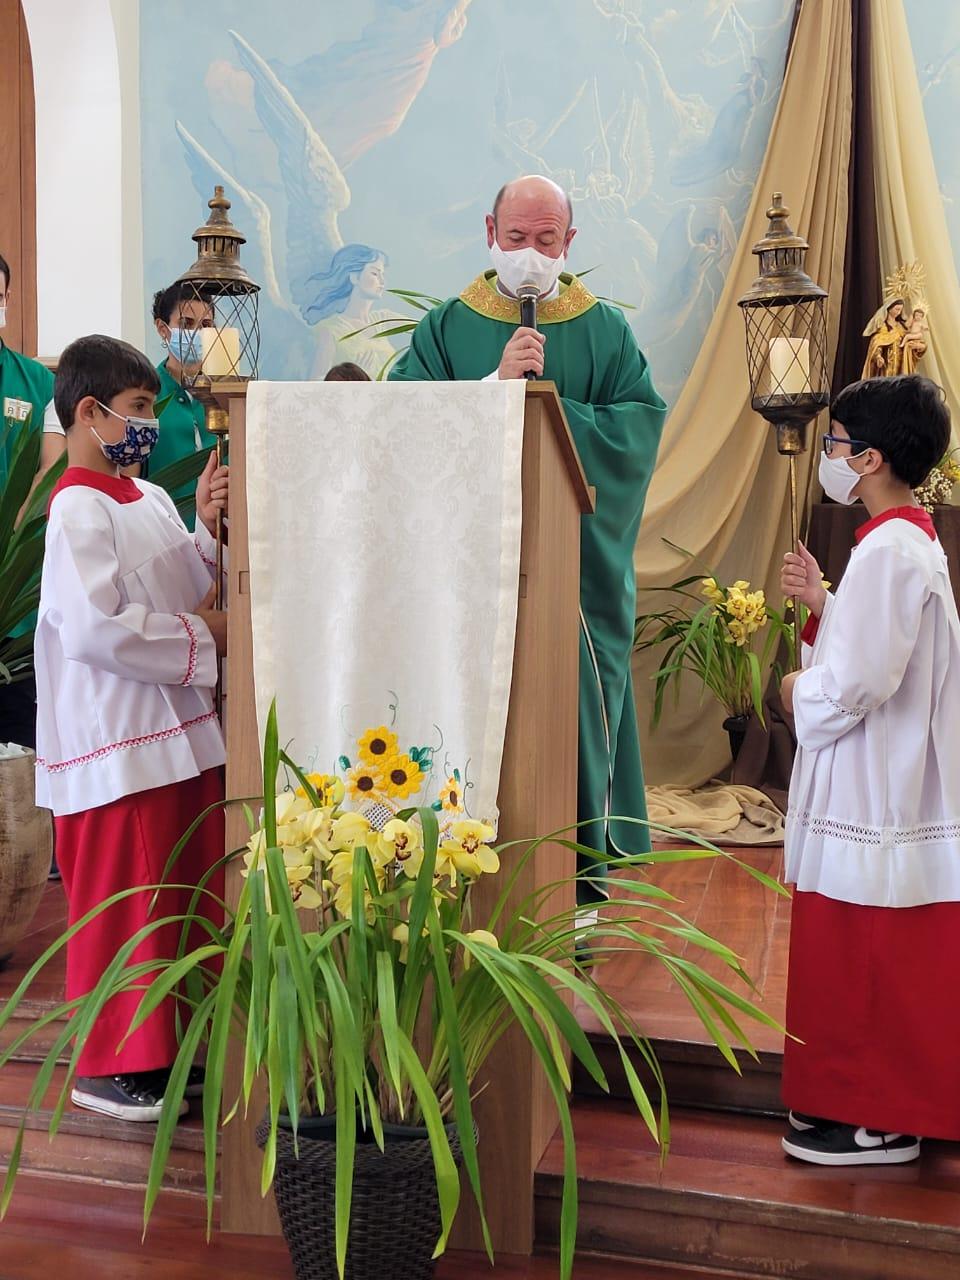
(184, 346)
(140, 436)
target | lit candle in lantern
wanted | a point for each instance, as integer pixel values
(789, 366)
(220, 351)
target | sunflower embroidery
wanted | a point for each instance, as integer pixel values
(451, 794)
(377, 745)
(401, 776)
(363, 781)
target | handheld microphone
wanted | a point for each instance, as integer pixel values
(527, 296)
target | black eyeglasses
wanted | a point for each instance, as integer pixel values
(830, 441)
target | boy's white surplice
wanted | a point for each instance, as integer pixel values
(875, 797)
(124, 667)
(384, 534)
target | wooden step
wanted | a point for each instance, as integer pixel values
(729, 1199)
(93, 1146)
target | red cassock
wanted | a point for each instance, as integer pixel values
(113, 847)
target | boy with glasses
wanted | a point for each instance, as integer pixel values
(873, 830)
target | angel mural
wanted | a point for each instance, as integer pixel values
(324, 290)
(895, 346)
(346, 323)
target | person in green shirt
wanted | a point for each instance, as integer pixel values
(26, 403)
(588, 349)
(179, 316)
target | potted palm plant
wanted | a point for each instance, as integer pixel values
(727, 637)
(355, 983)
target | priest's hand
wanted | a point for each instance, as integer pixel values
(213, 490)
(801, 577)
(523, 354)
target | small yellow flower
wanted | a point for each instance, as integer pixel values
(740, 585)
(711, 590)
(451, 795)
(479, 935)
(377, 745)
(401, 776)
(363, 781)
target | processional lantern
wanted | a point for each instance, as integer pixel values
(230, 344)
(786, 325)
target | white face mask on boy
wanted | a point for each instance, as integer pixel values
(839, 479)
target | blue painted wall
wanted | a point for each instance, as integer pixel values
(391, 124)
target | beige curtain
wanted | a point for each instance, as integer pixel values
(910, 215)
(720, 488)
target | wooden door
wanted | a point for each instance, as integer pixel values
(18, 185)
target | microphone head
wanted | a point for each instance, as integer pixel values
(528, 290)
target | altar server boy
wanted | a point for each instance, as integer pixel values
(129, 748)
(873, 832)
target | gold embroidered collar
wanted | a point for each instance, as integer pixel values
(484, 297)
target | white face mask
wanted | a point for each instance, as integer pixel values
(838, 479)
(3, 316)
(515, 267)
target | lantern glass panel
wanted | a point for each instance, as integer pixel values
(230, 346)
(787, 356)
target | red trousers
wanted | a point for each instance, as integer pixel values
(117, 846)
(872, 993)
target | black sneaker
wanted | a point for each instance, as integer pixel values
(195, 1080)
(846, 1144)
(129, 1097)
(802, 1122)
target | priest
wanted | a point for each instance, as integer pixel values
(587, 348)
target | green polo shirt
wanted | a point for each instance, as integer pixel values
(182, 432)
(26, 388)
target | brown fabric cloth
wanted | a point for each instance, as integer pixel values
(724, 812)
(765, 761)
(831, 538)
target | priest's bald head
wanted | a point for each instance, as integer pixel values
(530, 213)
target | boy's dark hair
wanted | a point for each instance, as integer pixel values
(100, 367)
(346, 372)
(5, 272)
(165, 301)
(905, 418)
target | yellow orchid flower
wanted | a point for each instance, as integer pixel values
(398, 841)
(401, 934)
(401, 776)
(467, 853)
(377, 745)
(349, 830)
(710, 588)
(479, 935)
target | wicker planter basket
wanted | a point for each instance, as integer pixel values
(394, 1216)
(26, 845)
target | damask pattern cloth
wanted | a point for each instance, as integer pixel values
(384, 530)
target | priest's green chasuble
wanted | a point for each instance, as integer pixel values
(616, 417)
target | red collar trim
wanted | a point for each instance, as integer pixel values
(916, 515)
(121, 489)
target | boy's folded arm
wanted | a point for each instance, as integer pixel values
(873, 634)
(128, 640)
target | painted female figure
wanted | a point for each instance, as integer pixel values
(346, 292)
(886, 332)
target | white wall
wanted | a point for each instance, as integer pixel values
(86, 80)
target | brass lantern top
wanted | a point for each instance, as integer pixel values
(781, 254)
(217, 268)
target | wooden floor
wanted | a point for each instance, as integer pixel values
(723, 900)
